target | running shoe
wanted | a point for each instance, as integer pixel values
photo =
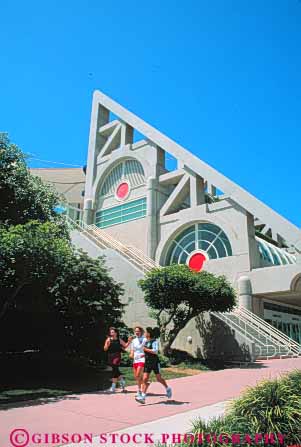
(111, 390)
(168, 392)
(138, 394)
(140, 399)
(122, 384)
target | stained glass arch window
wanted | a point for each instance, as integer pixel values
(197, 244)
(129, 171)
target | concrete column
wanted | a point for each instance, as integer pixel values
(99, 117)
(197, 190)
(89, 212)
(152, 229)
(212, 189)
(298, 254)
(245, 293)
(254, 257)
(127, 134)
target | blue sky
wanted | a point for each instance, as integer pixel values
(220, 77)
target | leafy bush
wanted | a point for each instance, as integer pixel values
(272, 406)
(23, 196)
(125, 332)
(195, 365)
(177, 356)
(176, 294)
(164, 361)
(42, 273)
(126, 359)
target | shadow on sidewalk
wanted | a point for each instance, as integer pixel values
(36, 402)
(167, 402)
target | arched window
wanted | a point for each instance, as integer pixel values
(197, 244)
(128, 172)
(270, 254)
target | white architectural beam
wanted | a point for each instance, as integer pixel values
(108, 128)
(177, 196)
(211, 189)
(127, 134)
(280, 225)
(197, 191)
(171, 178)
(110, 144)
(100, 116)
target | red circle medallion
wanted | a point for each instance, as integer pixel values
(122, 190)
(196, 261)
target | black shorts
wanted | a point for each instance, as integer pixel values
(152, 366)
(115, 371)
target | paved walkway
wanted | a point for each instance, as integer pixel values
(96, 412)
(169, 429)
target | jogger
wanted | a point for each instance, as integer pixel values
(151, 349)
(115, 346)
(138, 356)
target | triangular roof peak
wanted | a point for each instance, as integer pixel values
(279, 225)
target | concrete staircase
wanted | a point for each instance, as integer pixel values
(104, 240)
(267, 342)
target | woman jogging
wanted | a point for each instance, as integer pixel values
(151, 349)
(138, 356)
(115, 346)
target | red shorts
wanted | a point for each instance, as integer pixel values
(138, 365)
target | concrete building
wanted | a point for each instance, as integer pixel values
(140, 213)
(69, 182)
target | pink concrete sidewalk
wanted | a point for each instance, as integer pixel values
(101, 413)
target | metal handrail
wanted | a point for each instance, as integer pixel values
(141, 261)
(275, 330)
(243, 330)
(277, 347)
(259, 328)
(265, 329)
(277, 341)
(263, 326)
(127, 248)
(124, 249)
(259, 335)
(258, 343)
(233, 323)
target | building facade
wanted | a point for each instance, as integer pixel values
(154, 196)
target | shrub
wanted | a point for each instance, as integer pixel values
(176, 294)
(126, 360)
(272, 406)
(164, 361)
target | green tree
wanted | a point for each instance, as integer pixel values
(88, 300)
(29, 254)
(24, 197)
(176, 294)
(41, 272)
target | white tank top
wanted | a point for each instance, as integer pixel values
(137, 346)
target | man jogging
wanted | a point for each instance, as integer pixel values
(151, 348)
